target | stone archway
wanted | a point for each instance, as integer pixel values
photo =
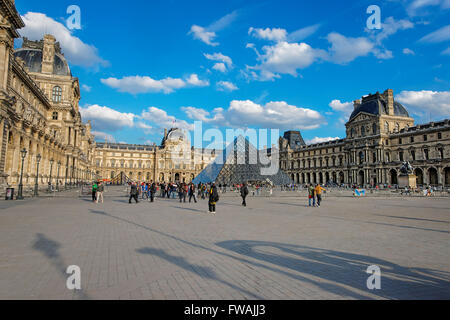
(341, 178)
(361, 178)
(419, 174)
(308, 177)
(433, 176)
(393, 174)
(447, 177)
(327, 177)
(297, 178)
(303, 178)
(334, 177)
(177, 177)
(320, 177)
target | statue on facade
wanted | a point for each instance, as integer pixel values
(406, 168)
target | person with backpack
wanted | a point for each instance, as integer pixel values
(244, 194)
(213, 198)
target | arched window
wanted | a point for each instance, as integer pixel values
(374, 128)
(386, 127)
(363, 131)
(57, 94)
(397, 127)
(361, 157)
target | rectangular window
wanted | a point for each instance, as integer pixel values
(439, 135)
(400, 141)
(400, 156)
(413, 155)
(425, 138)
(412, 139)
(426, 154)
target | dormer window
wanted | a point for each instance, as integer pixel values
(57, 94)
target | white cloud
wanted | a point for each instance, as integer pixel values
(145, 84)
(161, 119)
(86, 88)
(287, 58)
(220, 57)
(271, 34)
(226, 86)
(446, 52)
(320, 140)
(196, 82)
(76, 51)
(346, 49)
(220, 66)
(250, 114)
(303, 33)
(408, 52)
(208, 34)
(102, 136)
(417, 7)
(202, 34)
(147, 128)
(426, 103)
(337, 105)
(440, 35)
(105, 118)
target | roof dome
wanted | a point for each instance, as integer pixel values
(377, 105)
(33, 60)
(177, 135)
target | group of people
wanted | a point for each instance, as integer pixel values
(184, 190)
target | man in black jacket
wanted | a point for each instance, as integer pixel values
(152, 192)
(213, 198)
(244, 194)
(134, 193)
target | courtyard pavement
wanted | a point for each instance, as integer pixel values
(276, 248)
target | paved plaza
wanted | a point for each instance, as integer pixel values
(276, 248)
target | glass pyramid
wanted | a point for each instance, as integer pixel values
(241, 162)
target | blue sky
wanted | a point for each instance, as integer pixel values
(235, 64)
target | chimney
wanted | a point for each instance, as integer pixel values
(48, 54)
(356, 103)
(389, 96)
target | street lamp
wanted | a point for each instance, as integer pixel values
(57, 178)
(50, 179)
(20, 195)
(36, 185)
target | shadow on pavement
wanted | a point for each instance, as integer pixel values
(344, 269)
(204, 272)
(50, 249)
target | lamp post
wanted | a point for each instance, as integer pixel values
(36, 184)
(20, 195)
(70, 175)
(57, 176)
(50, 179)
(65, 178)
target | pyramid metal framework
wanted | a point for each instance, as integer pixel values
(239, 163)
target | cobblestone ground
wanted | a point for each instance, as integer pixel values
(276, 248)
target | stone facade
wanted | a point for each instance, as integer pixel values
(380, 136)
(39, 111)
(174, 160)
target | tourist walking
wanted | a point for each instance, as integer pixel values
(311, 195)
(100, 190)
(244, 194)
(152, 192)
(192, 193)
(134, 192)
(94, 191)
(318, 191)
(213, 198)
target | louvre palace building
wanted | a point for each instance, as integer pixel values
(380, 135)
(40, 125)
